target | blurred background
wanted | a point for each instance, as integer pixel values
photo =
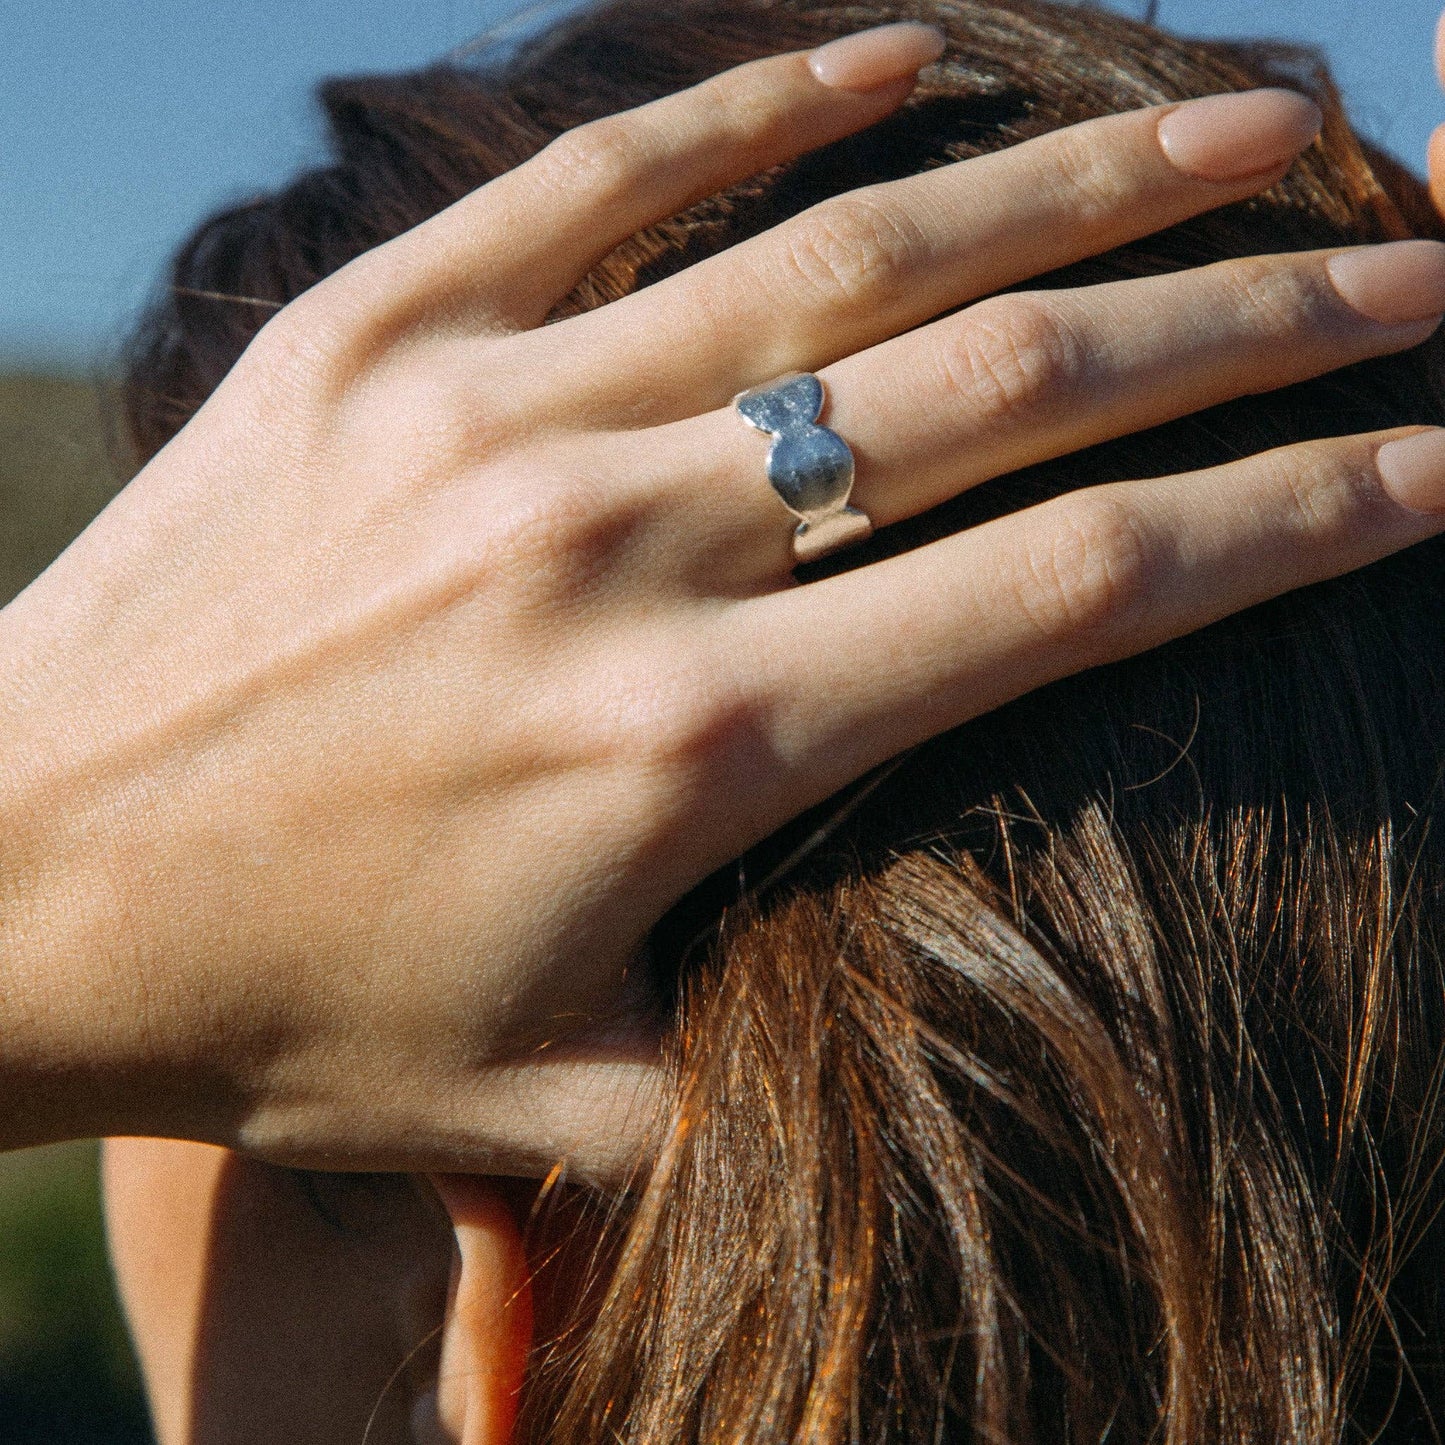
(120, 126)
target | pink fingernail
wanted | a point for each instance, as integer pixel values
(1394, 284)
(876, 57)
(1413, 470)
(1244, 133)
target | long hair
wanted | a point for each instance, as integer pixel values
(1078, 1077)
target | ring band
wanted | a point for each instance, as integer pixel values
(810, 467)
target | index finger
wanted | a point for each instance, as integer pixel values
(521, 242)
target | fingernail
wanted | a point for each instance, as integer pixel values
(1413, 470)
(1244, 133)
(1394, 284)
(875, 57)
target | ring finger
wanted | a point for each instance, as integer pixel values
(1023, 378)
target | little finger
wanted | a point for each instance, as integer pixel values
(902, 650)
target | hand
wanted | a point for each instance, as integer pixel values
(351, 754)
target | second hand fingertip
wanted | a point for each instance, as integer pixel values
(873, 58)
(1435, 165)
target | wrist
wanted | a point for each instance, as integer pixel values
(89, 1036)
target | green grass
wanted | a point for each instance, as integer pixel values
(54, 476)
(67, 1376)
(66, 1372)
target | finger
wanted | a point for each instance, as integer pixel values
(1023, 378)
(873, 262)
(516, 246)
(928, 640)
(1437, 168)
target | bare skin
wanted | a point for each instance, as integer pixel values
(292, 1307)
(369, 731)
(357, 628)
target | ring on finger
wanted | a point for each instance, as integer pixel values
(809, 466)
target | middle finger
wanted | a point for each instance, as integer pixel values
(873, 262)
(1023, 378)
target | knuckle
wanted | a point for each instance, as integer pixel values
(657, 731)
(1090, 568)
(598, 159)
(426, 418)
(677, 717)
(1008, 357)
(707, 730)
(299, 344)
(742, 104)
(699, 722)
(1084, 175)
(326, 339)
(1269, 298)
(556, 545)
(851, 249)
(1325, 494)
(1284, 477)
(295, 374)
(412, 414)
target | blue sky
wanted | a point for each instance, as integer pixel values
(123, 121)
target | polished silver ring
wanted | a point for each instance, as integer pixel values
(810, 467)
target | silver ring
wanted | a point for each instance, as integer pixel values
(810, 467)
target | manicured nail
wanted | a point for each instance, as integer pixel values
(1413, 470)
(1394, 284)
(876, 57)
(1244, 133)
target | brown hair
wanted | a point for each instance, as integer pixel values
(1081, 1077)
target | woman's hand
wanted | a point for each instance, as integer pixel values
(351, 754)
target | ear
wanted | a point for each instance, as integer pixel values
(488, 1329)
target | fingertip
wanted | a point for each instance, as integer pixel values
(871, 59)
(1440, 48)
(1396, 284)
(1238, 134)
(1412, 471)
(1435, 154)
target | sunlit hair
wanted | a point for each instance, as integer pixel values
(1079, 1079)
